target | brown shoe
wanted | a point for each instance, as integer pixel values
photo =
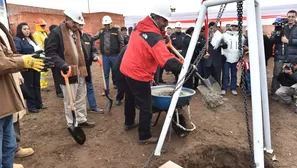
(24, 152)
(129, 127)
(18, 166)
(87, 124)
(152, 140)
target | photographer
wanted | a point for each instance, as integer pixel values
(288, 80)
(285, 39)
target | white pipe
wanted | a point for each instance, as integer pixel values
(183, 72)
(255, 84)
(210, 3)
(263, 78)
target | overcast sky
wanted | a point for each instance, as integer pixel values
(128, 7)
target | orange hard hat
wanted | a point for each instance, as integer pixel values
(40, 21)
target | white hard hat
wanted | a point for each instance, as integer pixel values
(178, 25)
(162, 10)
(106, 20)
(76, 16)
(234, 23)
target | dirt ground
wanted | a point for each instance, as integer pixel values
(220, 139)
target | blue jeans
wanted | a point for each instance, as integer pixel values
(91, 95)
(248, 80)
(108, 63)
(8, 143)
(227, 67)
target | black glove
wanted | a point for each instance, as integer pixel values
(65, 68)
(224, 45)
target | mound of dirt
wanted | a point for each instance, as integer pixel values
(217, 157)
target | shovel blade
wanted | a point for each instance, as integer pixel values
(109, 106)
(78, 134)
(212, 84)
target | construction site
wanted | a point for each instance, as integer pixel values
(227, 136)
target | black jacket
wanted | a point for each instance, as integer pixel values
(54, 48)
(118, 74)
(287, 80)
(177, 40)
(23, 46)
(292, 45)
(126, 39)
(279, 54)
(290, 49)
(90, 52)
(185, 46)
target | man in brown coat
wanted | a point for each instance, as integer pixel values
(10, 99)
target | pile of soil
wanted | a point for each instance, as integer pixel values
(215, 156)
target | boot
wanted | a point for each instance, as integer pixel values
(152, 140)
(18, 166)
(23, 152)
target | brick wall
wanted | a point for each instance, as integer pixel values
(21, 13)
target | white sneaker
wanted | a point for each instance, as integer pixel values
(223, 92)
(234, 92)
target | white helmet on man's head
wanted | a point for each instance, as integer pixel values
(162, 10)
(76, 16)
(234, 23)
(106, 20)
(178, 25)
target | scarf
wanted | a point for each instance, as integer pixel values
(78, 66)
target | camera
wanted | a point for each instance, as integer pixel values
(289, 66)
(279, 24)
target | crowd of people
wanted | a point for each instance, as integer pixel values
(134, 59)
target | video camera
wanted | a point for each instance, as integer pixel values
(279, 24)
(289, 66)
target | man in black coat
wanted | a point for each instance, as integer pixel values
(212, 62)
(57, 48)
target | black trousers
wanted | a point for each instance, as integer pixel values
(32, 82)
(214, 71)
(55, 73)
(190, 82)
(161, 74)
(138, 93)
(120, 93)
(157, 75)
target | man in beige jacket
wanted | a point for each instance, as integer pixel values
(10, 99)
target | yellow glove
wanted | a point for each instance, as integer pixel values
(33, 63)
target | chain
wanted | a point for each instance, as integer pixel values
(191, 69)
(240, 48)
(149, 160)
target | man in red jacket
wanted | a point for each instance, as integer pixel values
(146, 50)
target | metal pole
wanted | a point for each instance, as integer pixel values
(255, 84)
(263, 78)
(185, 68)
(89, 6)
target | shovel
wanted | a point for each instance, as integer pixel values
(109, 99)
(76, 132)
(210, 82)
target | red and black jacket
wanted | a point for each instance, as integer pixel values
(147, 50)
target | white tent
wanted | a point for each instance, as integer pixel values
(269, 13)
